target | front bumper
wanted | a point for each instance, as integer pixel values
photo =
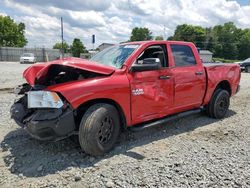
(27, 61)
(44, 124)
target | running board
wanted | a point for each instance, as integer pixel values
(164, 120)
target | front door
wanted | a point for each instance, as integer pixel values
(152, 90)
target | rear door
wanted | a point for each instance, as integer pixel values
(189, 77)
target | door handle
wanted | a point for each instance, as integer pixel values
(164, 77)
(199, 73)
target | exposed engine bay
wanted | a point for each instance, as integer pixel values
(60, 74)
(46, 114)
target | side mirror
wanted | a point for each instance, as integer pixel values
(147, 64)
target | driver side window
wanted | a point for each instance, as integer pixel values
(155, 51)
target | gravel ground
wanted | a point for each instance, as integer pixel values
(191, 152)
(11, 74)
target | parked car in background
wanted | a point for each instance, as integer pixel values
(245, 65)
(28, 58)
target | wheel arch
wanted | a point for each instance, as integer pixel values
(80, 111)
(225, 85)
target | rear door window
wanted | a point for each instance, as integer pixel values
(183, 55)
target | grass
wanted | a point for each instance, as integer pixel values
(225, 60)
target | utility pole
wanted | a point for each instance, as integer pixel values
(62, 50)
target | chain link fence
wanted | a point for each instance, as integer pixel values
(41, 54)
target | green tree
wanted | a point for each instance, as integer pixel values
(225, 41)
(209, 39)
(159, 38)
(170, 38)
(244, 44)
(77, 47)
(141, 34)
(225, 37)
(12, 34)
(190, 33)
(59, 45)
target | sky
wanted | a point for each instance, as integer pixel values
(112, 20)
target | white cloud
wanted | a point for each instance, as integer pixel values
(119, 26)
(3, 14)
(88, 18)
(76, 5)
(112, 21)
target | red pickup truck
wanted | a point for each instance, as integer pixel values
(135, 84)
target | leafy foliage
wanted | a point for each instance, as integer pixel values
(225, 41)
(244, 44)
(190, 33)
(141, 34)
(77, 48)
(159, 38)
(11, 33)
(59, 45)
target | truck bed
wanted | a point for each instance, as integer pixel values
(221, 73)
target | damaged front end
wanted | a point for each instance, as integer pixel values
(46, 114)
(43, 114)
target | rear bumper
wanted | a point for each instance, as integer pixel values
(44, 124)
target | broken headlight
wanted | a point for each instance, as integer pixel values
(44, 99)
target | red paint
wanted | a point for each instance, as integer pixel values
(183, 91)
(40, 70)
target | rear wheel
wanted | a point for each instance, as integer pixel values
(99, 129)
(219, 104)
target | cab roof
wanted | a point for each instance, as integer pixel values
(156, 42)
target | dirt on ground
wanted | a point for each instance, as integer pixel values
(11, 74)
(195, 151)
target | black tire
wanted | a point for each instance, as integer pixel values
(219, 104)
(99, 129)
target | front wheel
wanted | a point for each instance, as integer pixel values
(99, 129)
(219, 104)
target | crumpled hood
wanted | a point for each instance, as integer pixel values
(37, 71)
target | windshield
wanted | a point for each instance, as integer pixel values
(114, 56)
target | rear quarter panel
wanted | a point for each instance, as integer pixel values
(218, 73)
